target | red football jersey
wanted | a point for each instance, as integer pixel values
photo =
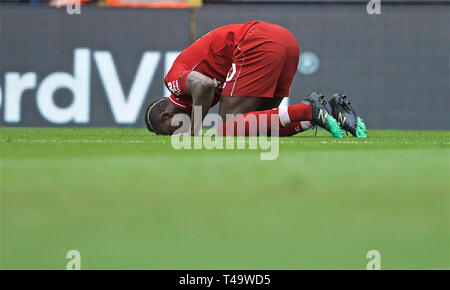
(253, 59)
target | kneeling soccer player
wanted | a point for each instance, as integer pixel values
(287, 121)
(248, 68)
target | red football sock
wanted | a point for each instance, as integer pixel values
(298, 113)
(285, 119)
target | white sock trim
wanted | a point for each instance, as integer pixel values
(306, 125)
(284, 115)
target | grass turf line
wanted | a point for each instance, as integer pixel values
(126, 199)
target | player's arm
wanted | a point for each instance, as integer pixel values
(201, 88)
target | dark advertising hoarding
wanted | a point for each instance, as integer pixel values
(102, 67)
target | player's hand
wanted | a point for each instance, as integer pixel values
(217, 87)
(216, 83)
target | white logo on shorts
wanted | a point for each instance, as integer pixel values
(231, 73)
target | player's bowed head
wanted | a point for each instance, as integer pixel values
(159, 114)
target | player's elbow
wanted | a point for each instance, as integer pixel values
(205, 85)
(197, 83)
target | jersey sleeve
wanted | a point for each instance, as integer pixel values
(176, 82)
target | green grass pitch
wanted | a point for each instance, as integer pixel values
(125, 199)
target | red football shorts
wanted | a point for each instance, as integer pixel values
(264, 63)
